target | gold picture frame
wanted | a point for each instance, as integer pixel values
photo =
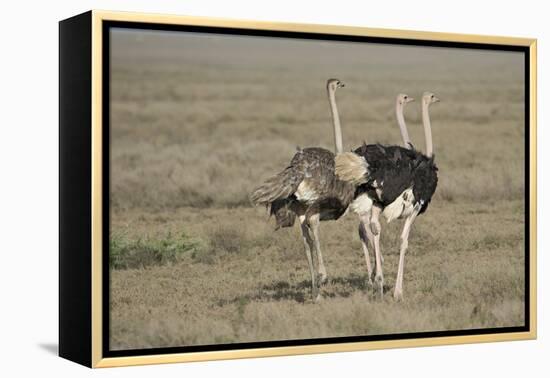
(83, 273)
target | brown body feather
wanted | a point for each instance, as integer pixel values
(326, 194)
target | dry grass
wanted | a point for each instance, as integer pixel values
(455, 279)
(193, 132)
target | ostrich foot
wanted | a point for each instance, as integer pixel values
(315, 293)
(379, 282)
(316, 290)
(368, 282)
(398, 294)
(322, 277)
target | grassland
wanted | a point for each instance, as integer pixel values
(197, 123)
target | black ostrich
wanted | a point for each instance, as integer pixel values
(400, 102)
(394, 181)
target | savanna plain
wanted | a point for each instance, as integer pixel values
(198, 121)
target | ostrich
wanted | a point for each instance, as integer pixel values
(393, 181)
(400, 102)
(309, 189)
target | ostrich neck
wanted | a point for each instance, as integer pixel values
(335, 122)
(427, 129)
(402, 126)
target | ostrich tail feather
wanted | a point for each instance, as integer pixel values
(277, 187)
(352, 168)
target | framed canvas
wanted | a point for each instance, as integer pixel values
(235, 189)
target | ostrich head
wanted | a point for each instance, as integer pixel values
(334, 84)
(429, 98)
(403, 99)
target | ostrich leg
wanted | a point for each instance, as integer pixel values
(309, 246)
(375, 229)
(314, 226)
(398, 292)
(364, 243)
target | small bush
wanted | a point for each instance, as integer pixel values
(129, 254)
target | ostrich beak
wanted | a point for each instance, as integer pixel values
(341, 85)
(410, 99)
(436, 99)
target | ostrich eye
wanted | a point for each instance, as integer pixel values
(432, 96)
(405, 97)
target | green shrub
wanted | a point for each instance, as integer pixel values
(128, 254)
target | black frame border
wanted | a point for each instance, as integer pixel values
(107, 25)
(75, 188)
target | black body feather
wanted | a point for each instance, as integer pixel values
(393, 169)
